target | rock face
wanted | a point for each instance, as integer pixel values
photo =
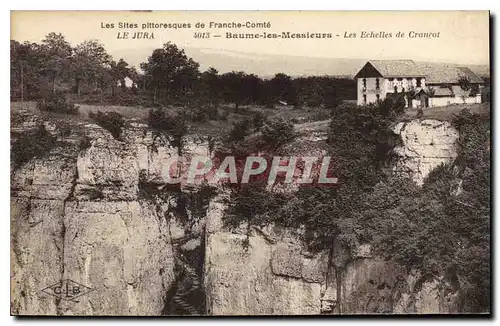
(77, 214)
(264, 271)
(425, 145)
(269, 273)
(259, 272)
(80, 213)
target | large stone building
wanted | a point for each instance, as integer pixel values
(424, 84)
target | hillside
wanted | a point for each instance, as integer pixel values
(265, 65)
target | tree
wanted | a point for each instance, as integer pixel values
(169, 69)
(233, 87)
(251, 88)
(136, 78)
(467, 86)
(122, 71)
(90, 65)
(118, 71)
(26, 64)
(464, 83)
(209, 85)
(57, 53)
(282, 88)
(330, 98)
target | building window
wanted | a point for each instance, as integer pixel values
(419, 82)
(378, 97)
(377, 83)
(364, 82)
(364, 99)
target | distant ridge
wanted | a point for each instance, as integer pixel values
(267, 65)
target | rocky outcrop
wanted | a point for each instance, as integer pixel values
(77, 214)
(268, 272)
(425, 144)
(80, 213)
(259, 271)
(255, 271)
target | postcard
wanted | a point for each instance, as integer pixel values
(250, 163)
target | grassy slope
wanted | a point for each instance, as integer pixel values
(447, 112)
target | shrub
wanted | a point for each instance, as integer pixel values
(239, 131)
(321, 115)
(223, 115)
(278, 132)
(197, 114)
(202, 113)
(174, 126)
(258, 119)
(30, 145)
(392, 106)
(111, 121)
(17, 118)
(211, 112)
(84, 143)
(56, 102)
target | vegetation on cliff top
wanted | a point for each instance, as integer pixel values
(32, 144)
(441, 229)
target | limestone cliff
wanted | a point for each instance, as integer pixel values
(425, 144)
(77, 214)
(80, 213)
(271, 273)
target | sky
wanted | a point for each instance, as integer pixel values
(463, 35)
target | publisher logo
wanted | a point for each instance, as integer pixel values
(67, 290)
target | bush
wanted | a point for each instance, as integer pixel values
(17, 118)
(174, 126)
(30, 145)
(253, 204)
(223, 115)
(211, 112)
(202, 113)
(392, 106)
(111, 121)
(278, 132)
(196, 114)
(84, 143)
(239, 131)
(321, 115)
(258, 119)
(56, 102)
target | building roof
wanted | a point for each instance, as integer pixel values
(397, 68)
(435, 73)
